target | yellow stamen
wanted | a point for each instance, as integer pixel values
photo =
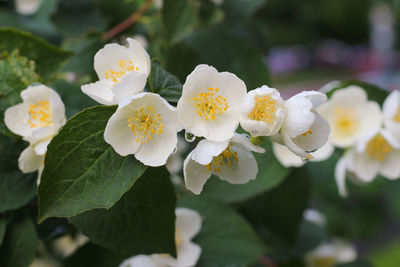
(125, 66)
(345, 121)
(144, 124)
(40, 114)
(306, 133)
(378, 147)
(210, 104)
(264, 109)
(226, 157)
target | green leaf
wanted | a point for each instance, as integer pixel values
(16, 189)
(117, 10)
(239, 9)
(229, 50)
(10, 147)
(142, 222)
(16, 73)
(82, 171)
(179, 18)
(374, 92)
(281, 209)
(3, 227)
(362, 263)
(163, 83)
(48, 58)
(92, 255)
(19, 245)
(226, 239)
(270, 174)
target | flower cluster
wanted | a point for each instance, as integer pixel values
(211, 107)
(37, 119)
(369, 135)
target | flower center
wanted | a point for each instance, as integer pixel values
(145, 123)
(378, 147)
(324, 262)
(345, 121)
(264, 109)
(125, 66)
(40, 114)
(396, 117)
(307, 133)
(210, 104)
(227, 156)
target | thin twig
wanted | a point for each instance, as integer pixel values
(127, 22)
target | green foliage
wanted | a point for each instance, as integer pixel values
(47, 58)
(142, 222)
(16, 73)
(163, 83)
(239, 9)
(92, 255)
(19, 244)
(270, 174)
(226, 238)
(82, 171)
(3, 227)
(179, 18)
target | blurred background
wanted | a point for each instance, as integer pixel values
(288, 44)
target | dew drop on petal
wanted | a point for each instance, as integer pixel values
(175, 149)
(189, 136)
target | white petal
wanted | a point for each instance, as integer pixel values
(108, 58)
(316, 98)
(132, 83)
(58, 110)
(36, 93)
(299, 116)
(41, 147)
(29, 161)
(38, 134)
(16, 119)
(100, 91)
(242, 171)
(294, 147)
(188, 223)
(391, 104)
(391, 165)
(206, 150)
(244, 141)
(141, 56)
(286, 157)
(340, 173)
(323, 153)
(140, 261)
(156, 151)
(188, 254)
(364, 167)
(119, 135)
(196, 175)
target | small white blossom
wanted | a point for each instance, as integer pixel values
(350, 115)
(314, 216)
(376, 153)
(145, 125)
(39, 116)
(188, 225)
(331, 253)
(391, 113)
(288, 159)
(210, 103)
(303, 129)
(122, 72)
(232, 160)
(27, 7)
(263, 112)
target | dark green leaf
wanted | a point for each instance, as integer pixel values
(374, 92)
(358, 263)
(163, 83)
(226, 239)
(16, 74)
(270, 174)
(179, 18)
(281, 209)
(16, 189)
(19, 245)
(92, 255)
(3, 227)
(82, 171)
(47, 58)
(142, 222)
(117, 10)
(238, 9)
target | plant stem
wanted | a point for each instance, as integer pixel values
(127, 22)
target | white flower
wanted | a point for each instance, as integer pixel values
(175, 161)
(288, 159)
(145, 125)
(350, 115)
(391, 113)
(188, 225)
(330, 254)
(262, 112)
(314, 216)
(232, 160)
(27, 7)
(303, 129)
(377, 153)
(68, 244)
(39, 116)
(122, 72)
(210, 103)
